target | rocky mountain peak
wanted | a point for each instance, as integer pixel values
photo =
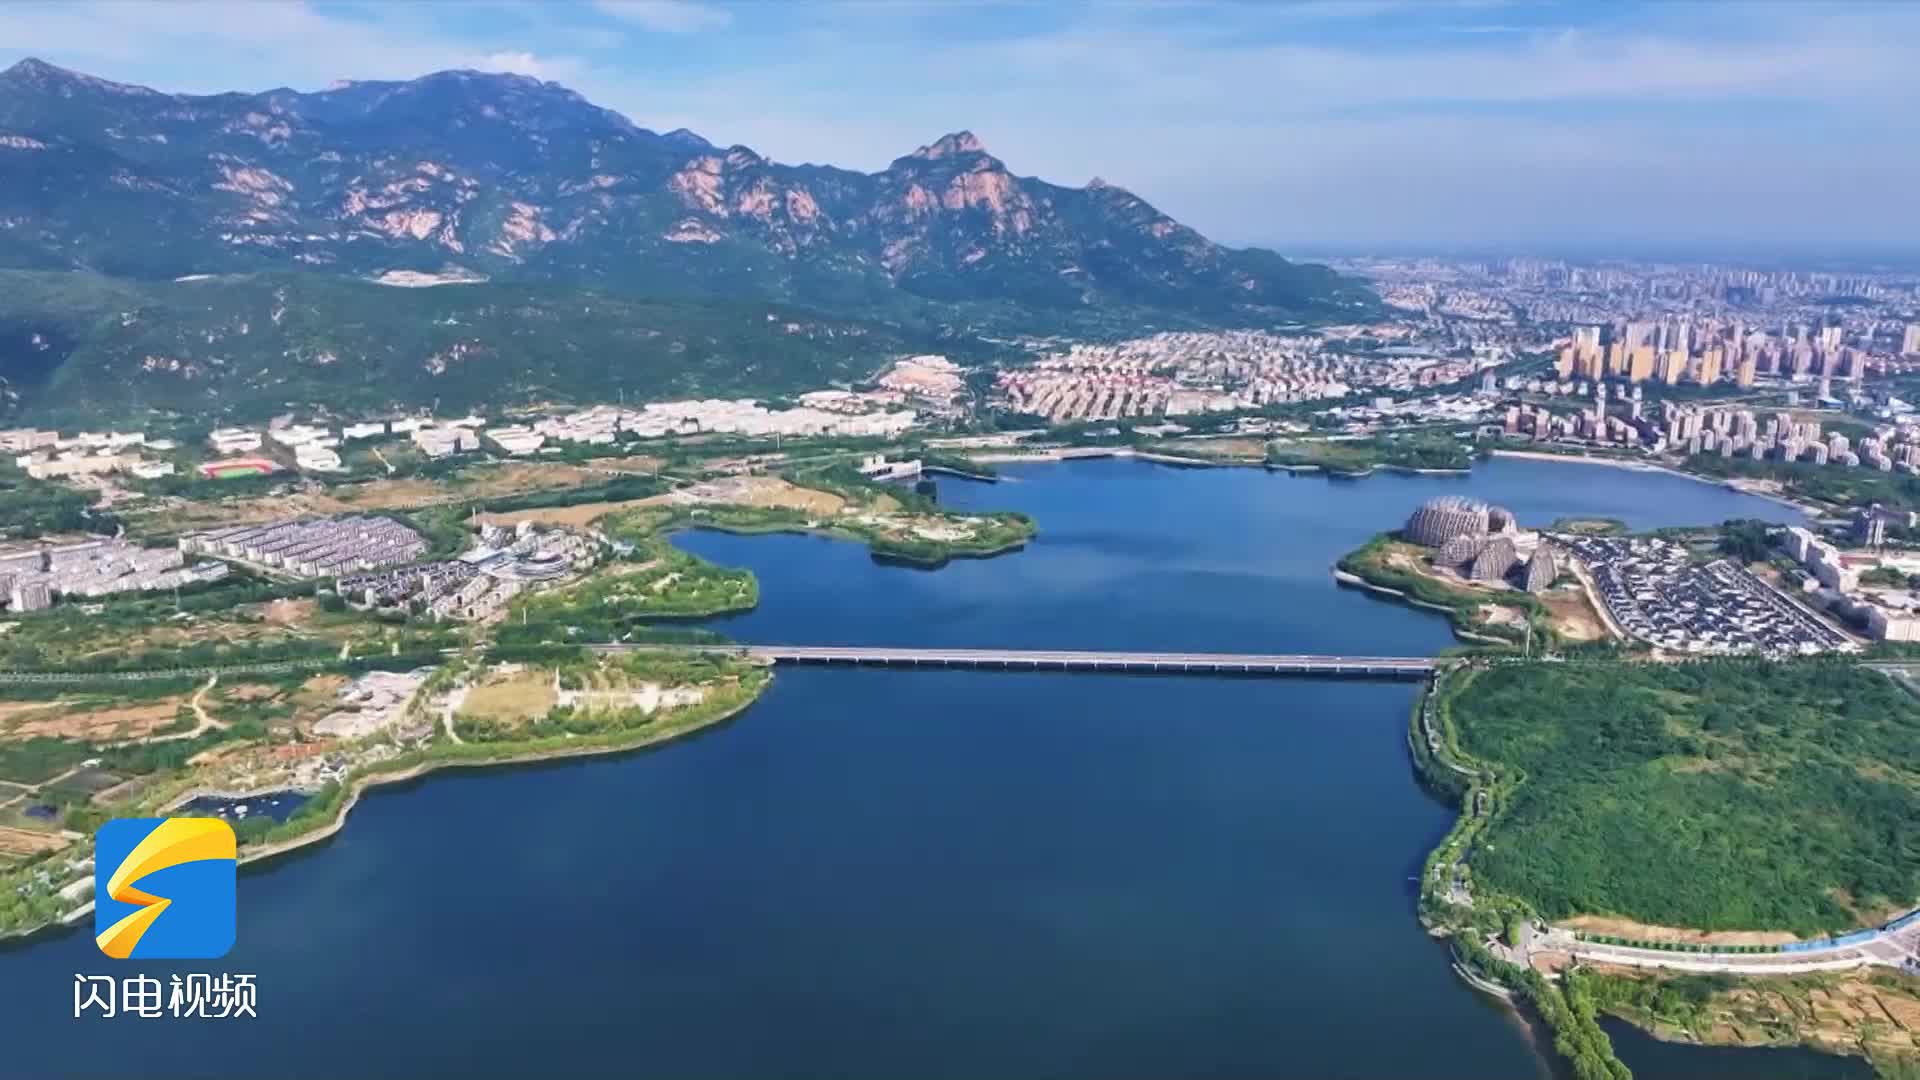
(523, 179)
(953, 145)
(689, 139)
(34, 71)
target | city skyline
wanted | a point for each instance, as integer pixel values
(1768, 130)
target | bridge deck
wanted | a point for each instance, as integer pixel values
(1403, 667)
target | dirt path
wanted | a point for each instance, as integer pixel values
(206, 721)
(48, 782)
(455, 698)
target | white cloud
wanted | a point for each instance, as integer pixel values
(668, 16)
(517, 63)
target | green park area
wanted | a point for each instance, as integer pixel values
(657, 581)
(1716, 796)
(1418, 450)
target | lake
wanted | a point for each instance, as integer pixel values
(883, 873)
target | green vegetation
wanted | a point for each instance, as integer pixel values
(1414, 450)
(1571, 1008)
(658, 581)
(1573, 1013)
(919, 532)
(1745, 539)
(1724, 795)
(147, 635)
(1590, 526)
(27, 902)
(1889, 577)
(1837, 487)
(31, 508)
(445, 524)
(41, 758)
(243, 345)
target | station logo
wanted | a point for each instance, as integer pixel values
(164, 888)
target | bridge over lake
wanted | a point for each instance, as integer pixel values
(1163, 663)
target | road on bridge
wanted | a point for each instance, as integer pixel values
(1404, 667)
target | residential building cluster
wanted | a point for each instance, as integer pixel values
(829, 413)
(1184, 372)
(1706, 352)
(840, 413)
(1654, 591)
(32, 577)
(1430, 409)
(1723, 430)
(932, 379)
(747, 417)
(1779, 436)
(1527, 303)
(314, 547)
(1834, 577)
(481, 581)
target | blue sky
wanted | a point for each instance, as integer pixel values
(1754, 127)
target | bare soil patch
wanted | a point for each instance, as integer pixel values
(512, 698)
(578, 516)
(288, 612)
(100, 723)
(1573, 617)
(29, 841)
(1627, 928)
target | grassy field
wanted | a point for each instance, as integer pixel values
(1423, 450)
(510, 697)
(1725, 795)
(660, 581)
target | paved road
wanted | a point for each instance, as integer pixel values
(1075, 660)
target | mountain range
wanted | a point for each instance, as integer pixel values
(464, 176)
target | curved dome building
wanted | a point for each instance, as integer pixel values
(1494, 560)
(1459, 551)
(1542, 569)
(1447, 517)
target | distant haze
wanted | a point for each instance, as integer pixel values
(1775, 127)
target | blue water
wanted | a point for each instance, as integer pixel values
(931, 874)
(278, 805)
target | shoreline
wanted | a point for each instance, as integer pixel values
(368, 781)
(1654, 467)
(1057, 454)
(356, 787)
